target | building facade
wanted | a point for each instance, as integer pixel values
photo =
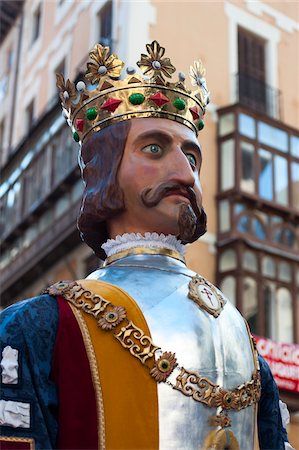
(250, 174)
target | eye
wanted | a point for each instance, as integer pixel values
(191, 158)
(153, 149)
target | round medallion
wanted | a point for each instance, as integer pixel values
(205, 295)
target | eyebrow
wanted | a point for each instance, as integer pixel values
(167, 139)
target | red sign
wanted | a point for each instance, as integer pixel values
(283, 360)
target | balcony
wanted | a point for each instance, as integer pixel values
(258, 96)
(9, 11)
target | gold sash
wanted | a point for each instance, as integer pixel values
(127, 397)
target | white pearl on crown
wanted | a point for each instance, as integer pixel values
(102, 70)
(156, 65)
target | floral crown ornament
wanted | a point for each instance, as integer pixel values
(113, 99)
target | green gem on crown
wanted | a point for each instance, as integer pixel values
(76, 136)
(136, 99)
(201, 125)
(179, 104)
(91, 113)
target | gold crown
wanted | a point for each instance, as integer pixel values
(113, 100)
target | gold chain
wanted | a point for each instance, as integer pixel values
(113, 318)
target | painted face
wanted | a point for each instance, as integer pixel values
(159, 176)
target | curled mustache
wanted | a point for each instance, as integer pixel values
(192, 220)
(152, 196)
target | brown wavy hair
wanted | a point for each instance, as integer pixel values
(99, 160)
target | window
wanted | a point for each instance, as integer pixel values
(265, 174)
(248, 175)
(64, 155)
(247, 125)
(268, 267)
(250, 303)
(226, 124)
(269, 305)
(295, 184)
(36, 23)
(295, 146)
(250, 261)
(224, 216)
(29, 116)
(105, 24)
(244, 224)
(284, 272)
(281, 180)
(228, 260)
(250, 224)
(251, 60)
(272, 136)
(284, 316)
(2, 135)
(227, 164)
(284, 236)
(228, 287)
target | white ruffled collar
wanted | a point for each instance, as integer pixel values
(127, 241)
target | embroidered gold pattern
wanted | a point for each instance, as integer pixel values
(23, 440)
(94, 375)
(131, 337)
(205, 391)
(77, 295)
(139, 345)
(206, 296)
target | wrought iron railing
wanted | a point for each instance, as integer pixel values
(258, 96)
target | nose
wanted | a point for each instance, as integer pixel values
(180, 169)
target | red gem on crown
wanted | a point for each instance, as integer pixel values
(159, 99)
(79, 124)
(194, 112)
(111, 104)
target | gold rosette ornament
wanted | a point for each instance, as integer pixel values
(197, 77)
(164, 366)
(67, 91)
(112, 318)
(103, 64)
(226, 399)
(153, 64)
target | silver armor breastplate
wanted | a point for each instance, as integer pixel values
(217, 348)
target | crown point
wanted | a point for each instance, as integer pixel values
(182, 76)
(159, 99)
(79, 124)
(134, 80)
(111, 104)
(91, 113)
(102, 70)
(194, 112)
(105, 85)
(80, 86)
(66, 95)
(179, 104)
(130, 70)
